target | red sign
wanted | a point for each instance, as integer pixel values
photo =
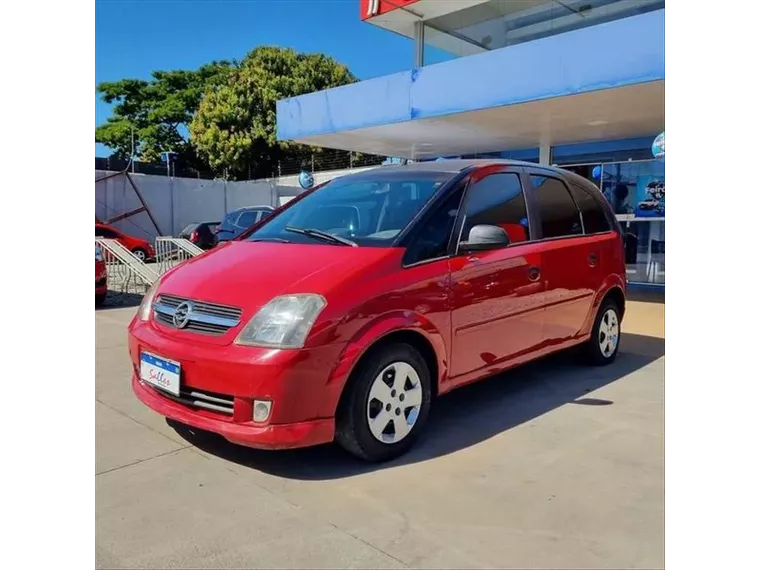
(371, 8)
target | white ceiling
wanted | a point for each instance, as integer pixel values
(607, 114)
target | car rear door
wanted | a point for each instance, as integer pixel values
(571, 259)
(497, 294)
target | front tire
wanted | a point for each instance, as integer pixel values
(386, 404)
(140, 254)
(602, 347)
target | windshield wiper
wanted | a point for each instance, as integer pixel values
(319, 234)
(279, 240)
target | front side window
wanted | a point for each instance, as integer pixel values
(369, 210)
(559, 214)
(246, 219)
(497, 200)
(432, 239)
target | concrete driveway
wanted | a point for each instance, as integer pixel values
(552, 465)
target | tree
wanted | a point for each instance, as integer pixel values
(235, 130)
(158, 112)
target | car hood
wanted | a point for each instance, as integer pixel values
(249, 274)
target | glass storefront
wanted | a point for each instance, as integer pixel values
(636, 191)
(494, 24)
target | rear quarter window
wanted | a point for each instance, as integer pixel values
(594, 217)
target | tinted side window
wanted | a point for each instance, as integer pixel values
(497, 200)
(106, 233)
(264, 214)
(432, 238)
(559, 214)
(246, 219)
(594, 219)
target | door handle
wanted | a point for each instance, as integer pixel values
(592, 259)
(473, 259)
(534, 273)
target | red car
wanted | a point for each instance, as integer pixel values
(348, 311)
(142, 249)
(101, 278)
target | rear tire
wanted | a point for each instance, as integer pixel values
(386, 404)
(100, 299)
(140, 254)
(602, 348)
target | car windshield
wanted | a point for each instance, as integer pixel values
(188, 229)
(366, 211)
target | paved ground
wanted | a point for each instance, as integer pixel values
(550, 466)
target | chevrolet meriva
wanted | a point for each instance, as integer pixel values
(344, 314)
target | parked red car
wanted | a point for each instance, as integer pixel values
(348, 311)
(101, 278)
(142, 249)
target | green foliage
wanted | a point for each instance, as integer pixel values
(158, 110)
(234, 130)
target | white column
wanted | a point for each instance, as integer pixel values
(419, 44)
(544, 154)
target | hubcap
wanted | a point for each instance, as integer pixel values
(609, 333)
(140, 255)
(394, 402)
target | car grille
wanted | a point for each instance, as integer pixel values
(195, 398)
(203, 317)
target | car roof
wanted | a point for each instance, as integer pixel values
(250, 208)
(452, 166)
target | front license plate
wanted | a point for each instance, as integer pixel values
(160, 372)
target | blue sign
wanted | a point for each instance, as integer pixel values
(306, 180)
(658, 146)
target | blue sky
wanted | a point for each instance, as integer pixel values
(134, 37)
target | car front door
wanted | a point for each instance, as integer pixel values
(571, 259)
(497, 294)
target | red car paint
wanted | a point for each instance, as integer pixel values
(100, 275)
(133, 244)
(480, 314)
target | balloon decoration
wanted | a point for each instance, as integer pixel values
(306, 179)
(658, 146)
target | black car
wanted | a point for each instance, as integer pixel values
(202, 234)
(237, 221)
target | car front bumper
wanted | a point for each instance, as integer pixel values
(296, 382)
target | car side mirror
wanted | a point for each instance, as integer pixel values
(484, 237)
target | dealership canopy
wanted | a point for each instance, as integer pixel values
(558, 89)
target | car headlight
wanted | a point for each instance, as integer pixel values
(284, 322)
(143, 313)
(98, 254)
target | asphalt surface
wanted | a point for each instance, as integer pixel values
(553, 465)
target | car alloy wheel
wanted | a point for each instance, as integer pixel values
(609, 333)
(394, 402)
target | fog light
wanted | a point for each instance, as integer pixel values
(261, 410)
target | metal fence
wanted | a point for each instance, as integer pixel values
(170, 252)
(126, 273)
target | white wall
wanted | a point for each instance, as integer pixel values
(176, 202)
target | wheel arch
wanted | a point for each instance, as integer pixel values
(414, 330)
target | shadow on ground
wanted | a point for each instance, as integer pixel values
(116, 300)
(458, 420)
